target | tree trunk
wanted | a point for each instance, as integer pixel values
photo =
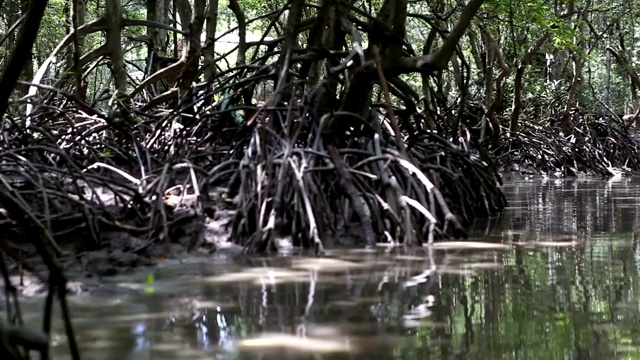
(234, 6)
(493, 52)
(209, 49)
(517, 86)
(78, 18)
(19, 56)
(114, 39)
(578, 63)
(565, 122)
(194, 27)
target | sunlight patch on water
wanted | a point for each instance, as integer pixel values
(409, 258)
(336, 329)
(351, 251)
(455, 270)
(260, 274)
(325, 264)
(459, 245)
(284, 341)
(98, 344)
(531, 244)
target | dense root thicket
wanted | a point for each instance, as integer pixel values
(310, 188)
(292, 135)
(597, 145)
(133, 185)
(132, 189)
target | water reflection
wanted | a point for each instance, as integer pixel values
(578, 299)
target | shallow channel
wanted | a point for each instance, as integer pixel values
(562, 283)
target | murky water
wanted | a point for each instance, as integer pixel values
(543, 294)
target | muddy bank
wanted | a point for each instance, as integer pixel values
(124, 245)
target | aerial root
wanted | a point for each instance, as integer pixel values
(597, 145)
(311, 193)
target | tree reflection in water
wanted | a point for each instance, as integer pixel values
(566, 299)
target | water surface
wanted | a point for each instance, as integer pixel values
(542, 293)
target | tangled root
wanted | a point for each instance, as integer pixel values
(600, 146)
(310, 190)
